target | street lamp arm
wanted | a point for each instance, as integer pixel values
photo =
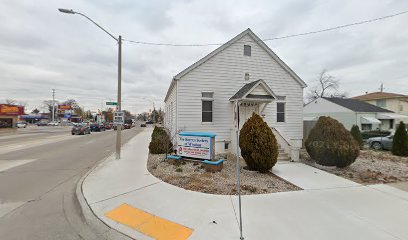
(83, 15)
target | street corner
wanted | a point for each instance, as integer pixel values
(148, 224)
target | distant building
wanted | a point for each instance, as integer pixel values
(351, 112)
(9, 115)
(395, 102)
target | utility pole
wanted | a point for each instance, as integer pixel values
(119, 41)
(119, 108)
(53, 104)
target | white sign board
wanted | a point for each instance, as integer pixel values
(194, 147)
(119, 118)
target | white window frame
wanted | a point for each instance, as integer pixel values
(284, 111)
(207, 99)
(250, 50)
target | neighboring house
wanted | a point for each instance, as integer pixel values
(351, 112)
(398, 103)
(245, 71)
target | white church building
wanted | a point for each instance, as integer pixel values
(243, 71)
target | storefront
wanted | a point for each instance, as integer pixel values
(9, 115)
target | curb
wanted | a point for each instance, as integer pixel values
(92, 220)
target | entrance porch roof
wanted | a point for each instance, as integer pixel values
(247, 92)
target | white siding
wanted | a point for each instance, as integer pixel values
(322, 105)
(224, 74)
(171, 113)
(259, 90)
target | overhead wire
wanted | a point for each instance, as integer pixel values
(272, 38)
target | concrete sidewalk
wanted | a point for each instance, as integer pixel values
(329, 207)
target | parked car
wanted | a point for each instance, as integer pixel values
(53, 124)
(143, 125)
(108, 126)
(42, 123)
(21, 124)
(95, 127)
(115, 127)
(379, 143)
(80, 129)
(149, 122)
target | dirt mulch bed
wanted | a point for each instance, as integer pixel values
(371, 167)
(192, 176)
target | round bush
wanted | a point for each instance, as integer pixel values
(400, 141)
(160, 142)
(330, 144)
(258, 144)
(355, 132)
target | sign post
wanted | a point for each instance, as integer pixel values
(236, 124)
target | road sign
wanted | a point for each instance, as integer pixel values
(112, 103)
(119, 118)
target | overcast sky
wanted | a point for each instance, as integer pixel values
(41, 48)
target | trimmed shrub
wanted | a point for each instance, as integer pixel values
(160, 142)
(355, 132)
(330, 144)
(400, 141)
(258, 145)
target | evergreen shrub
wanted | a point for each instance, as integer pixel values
(258, 144)
(330, 144)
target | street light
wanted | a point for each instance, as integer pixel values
(119, 41)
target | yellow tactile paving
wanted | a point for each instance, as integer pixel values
(148, 224)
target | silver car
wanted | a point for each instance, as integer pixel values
(379, 143)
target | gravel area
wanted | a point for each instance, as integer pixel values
(191, 176)
(370, 167)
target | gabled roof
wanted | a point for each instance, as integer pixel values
(379, 95)
(246, 90)
(227, 44)
(356, 105)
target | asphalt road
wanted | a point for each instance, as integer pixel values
(39, 170)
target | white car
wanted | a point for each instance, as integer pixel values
(21, 124)
(53, 124)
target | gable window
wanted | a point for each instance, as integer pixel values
(247, 50)
(381, 103)
(246, 76)
(280, 112)
(207, 107)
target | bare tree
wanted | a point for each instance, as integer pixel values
(325, 86)
(11, 102)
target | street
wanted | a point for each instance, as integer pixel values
(39, 170)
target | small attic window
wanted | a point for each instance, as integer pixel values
(247, 50)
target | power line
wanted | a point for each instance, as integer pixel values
(273, 38)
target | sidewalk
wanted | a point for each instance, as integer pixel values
(329, 207)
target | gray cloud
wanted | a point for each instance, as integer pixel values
(41, 49)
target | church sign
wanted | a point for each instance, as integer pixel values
(196, 145)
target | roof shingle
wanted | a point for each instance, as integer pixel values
(356, 105)
(379, 95)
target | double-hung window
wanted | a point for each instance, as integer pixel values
(280, 112)
(207, 107)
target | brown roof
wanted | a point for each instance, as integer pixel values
(379, 95)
